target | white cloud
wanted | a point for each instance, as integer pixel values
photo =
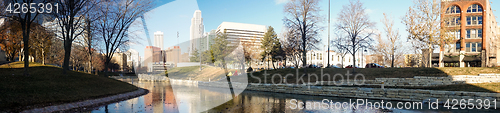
(280, 1)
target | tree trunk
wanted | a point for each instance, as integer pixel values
(43, 57)
(67, 53)
(392, 60)
(26, 53)
(342, 62)
(430, 57)
(106, 65)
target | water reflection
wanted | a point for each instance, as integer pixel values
(163, 99)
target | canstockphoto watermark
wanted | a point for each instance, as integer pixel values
(354, 104)
(322, 79)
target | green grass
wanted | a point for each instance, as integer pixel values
(369, 73)
(46, 85)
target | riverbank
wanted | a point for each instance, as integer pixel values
(47, 86)
(393, 94)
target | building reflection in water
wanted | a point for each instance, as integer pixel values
(163, 99)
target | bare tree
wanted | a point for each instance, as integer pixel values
(41, 42)
(25, 18)
(250, 51)
(304, 18)
(292, 47)
(354, 22)
(340, 46)
(71, 24)
(423, 23)
(116, 17)
(393, 47)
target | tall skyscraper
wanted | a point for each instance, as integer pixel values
(196, 31)
(159, 39)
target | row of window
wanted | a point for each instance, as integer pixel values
(473, 47)
(320, 57)
(317, 56)
(471, 9)
(474, 20)
(470, 33)
(471, 20)
(474, 33)
(470, 47)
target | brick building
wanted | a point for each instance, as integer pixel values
(474, 28)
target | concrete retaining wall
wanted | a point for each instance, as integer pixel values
(413, 95)
(438, 81)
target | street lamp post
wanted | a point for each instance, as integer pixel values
(201, 36)
(328, 52)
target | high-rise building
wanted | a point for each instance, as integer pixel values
(159, 39)
(196, 31)
(133, 58)
(207, 40)
(241, 32)
(151, 55)
(474, 27)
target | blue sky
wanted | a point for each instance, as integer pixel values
(171, 17)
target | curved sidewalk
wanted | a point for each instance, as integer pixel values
(91, 102)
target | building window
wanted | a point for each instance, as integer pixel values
(474, 20)
(457, 47)
(454, 21)
(474, 33)
(474, 9)
(320, 56)
(453, 10)
(455, 34)
(338, 58)
(473, 47)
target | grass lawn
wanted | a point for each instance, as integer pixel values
(46, 85)
(369, 73)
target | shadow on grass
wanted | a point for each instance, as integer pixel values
(46, 86)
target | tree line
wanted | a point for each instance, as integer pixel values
(76, 31)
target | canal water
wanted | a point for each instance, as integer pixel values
(163, 98)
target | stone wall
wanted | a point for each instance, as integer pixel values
(438, 81)
(412, 95)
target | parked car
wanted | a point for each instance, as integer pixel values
(350, 66)
(333, 66)
(373, 65)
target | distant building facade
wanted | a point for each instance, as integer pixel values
(121, 60)
(158, 39)
(320, 58)
(241, 32)
(133, 58)
(156, 59)
(474, 27)
(206, 41)
(196, 31)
